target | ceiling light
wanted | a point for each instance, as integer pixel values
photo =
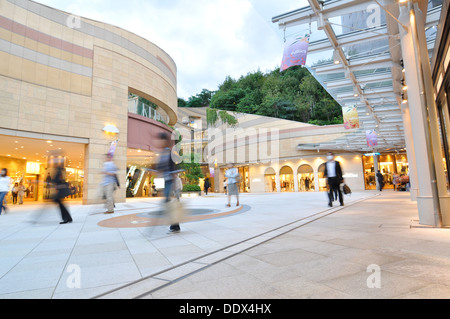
(336, 57)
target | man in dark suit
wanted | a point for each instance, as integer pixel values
(333, 173)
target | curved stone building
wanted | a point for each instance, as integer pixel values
(65, 81)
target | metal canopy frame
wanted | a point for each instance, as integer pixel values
(372, 81)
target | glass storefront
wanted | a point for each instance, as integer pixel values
(322, 179)
(393, 167)
(28, 165)
(270, 184)
(245, 179)
(286, 179)
(141, 180)
(305, 175)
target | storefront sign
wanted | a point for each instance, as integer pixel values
(372, 154)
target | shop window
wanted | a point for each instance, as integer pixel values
(286, 179)
(305, 175)
(322, 179)
(270, 183)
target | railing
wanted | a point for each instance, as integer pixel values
(137, 107)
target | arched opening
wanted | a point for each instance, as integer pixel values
(305, 175)
(286, 179)
(322, 178)
(270, 183)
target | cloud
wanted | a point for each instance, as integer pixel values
(208, 39)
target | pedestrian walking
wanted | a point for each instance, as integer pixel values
(396, 181)
(15, 193)
(333, 173)
(21, 192)
(166, 166)
(225, 184)
(380, 179)
(206, 186)
(233, 177)
(5, 184)
(62, 189)
(109, 182)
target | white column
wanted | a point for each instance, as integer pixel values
(425, 143)
(316, 182)
(376, 167)
(413, 179)
(296, 182)
(277, 181)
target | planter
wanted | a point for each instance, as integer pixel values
(191, 194)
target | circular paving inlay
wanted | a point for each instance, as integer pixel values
(157, 218)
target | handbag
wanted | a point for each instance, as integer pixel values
(175, 212)
(346, 189)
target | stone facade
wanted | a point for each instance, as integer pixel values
(67, 76)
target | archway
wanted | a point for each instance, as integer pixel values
(305, 175)
(286, 179)
(322, 179)
(270, 184)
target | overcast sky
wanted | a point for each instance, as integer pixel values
(208, 39)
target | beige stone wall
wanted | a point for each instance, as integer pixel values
(64, 81)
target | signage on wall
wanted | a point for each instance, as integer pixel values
(372, 154)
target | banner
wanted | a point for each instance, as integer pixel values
(112, 148)
(351, 117)
(372, 138)
(295, 53)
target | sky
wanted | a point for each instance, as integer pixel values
(208, 39)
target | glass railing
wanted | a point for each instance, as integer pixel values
(140, 108)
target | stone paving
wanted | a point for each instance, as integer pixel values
(288, 245)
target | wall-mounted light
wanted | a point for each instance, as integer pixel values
(111, 129)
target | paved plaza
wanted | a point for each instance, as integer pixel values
(289, 245)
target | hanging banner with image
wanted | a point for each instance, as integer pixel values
(295, 53)
(372, 138)
(351, 117)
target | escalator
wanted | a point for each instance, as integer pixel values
(135, 185)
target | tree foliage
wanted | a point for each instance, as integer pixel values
(293, 94)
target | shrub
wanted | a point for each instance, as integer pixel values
(191, 188)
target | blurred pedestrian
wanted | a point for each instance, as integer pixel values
(21, 192)
(15, 193)
(233, 178)
(109, 182)
(62, 189)
(5, 184)
(206, 186)
(333, 173)
(380, 179)
(166, 167)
